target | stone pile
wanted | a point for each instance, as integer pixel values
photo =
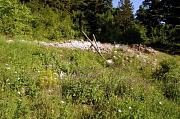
(143, 49)
(102, 47)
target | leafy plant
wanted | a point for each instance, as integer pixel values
(168, 74)
(15, 18)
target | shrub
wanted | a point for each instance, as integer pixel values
(168, 74)
(15, 18)
(164, 34)
(49, 23)
(136, 34)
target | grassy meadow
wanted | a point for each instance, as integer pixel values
(47, 83)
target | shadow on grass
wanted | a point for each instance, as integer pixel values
(173, 49)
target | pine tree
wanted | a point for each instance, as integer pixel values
(170, 11)
(148, 13)
(124, 15)
(92, 9)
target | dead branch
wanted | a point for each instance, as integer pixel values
(93, 45)
(96, 43)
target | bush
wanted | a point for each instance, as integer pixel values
(51, 24)
(168, 74)
(15, 18)
(163, 34)
(39, 21)
(136, 34)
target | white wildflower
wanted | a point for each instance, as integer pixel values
(8, 68)
(115, 51)
(119, 111)
(62, 74)
(115, 57)
(55, 74)
(19, 93)
(62, 102)
(52, 111)
(160, 103)
(130, 107)
(23, 90)
(50, 65)
(109, 62)
(49, 90)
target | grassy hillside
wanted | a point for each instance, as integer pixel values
(44, 82)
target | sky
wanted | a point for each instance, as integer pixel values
(136, 4)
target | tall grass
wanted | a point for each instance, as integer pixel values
(42, 82)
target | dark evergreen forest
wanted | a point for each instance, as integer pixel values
(156, 23)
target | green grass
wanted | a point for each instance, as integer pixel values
(42, 82)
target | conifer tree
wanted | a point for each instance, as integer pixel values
(170, 11)
(124, 15)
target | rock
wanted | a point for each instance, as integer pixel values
(143, 49)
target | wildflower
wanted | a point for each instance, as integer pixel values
(115, 57)
(109, 62)
(62, 74)
(160, 103)
(62, 102)
(49, 65)
(55, 74)
(19, 93)
(115, 51)
(18, 78)
(49, 90)
(15, 72)
(52, 111)
(23, 90)
(119, 111)
(8, 68)
(130, 108)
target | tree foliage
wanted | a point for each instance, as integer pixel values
(161, 18)
(156, 20)
(15, 18)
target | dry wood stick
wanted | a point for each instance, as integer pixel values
(96, 43)
(93, 45)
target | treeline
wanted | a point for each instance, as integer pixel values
(157, 21)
